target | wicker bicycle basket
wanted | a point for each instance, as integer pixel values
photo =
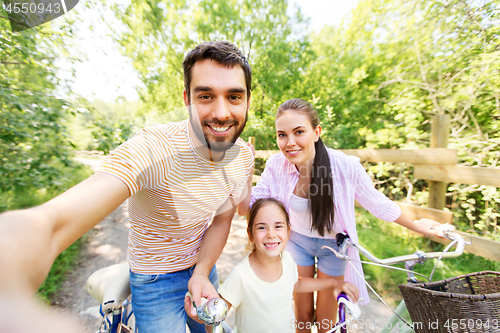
(468, 303)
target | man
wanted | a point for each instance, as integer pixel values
(179, 177)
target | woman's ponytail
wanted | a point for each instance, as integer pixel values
(321, 191)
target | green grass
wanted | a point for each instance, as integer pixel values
(385, 240)
(30, 197)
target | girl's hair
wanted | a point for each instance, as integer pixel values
(255, 209)
(321, 187)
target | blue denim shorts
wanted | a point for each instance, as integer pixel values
(158, 301)
(307, 250)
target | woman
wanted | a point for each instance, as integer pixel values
(318, 186)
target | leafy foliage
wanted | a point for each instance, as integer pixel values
(35, 147)
(34, 143)
(158, 34)
(104, 126)
(397, 63)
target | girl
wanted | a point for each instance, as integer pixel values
(318, 186)
(261, 286)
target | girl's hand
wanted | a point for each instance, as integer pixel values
(348, 288)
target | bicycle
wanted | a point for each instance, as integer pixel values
(418, 312)
(111, 288)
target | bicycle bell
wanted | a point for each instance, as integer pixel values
(213, 311)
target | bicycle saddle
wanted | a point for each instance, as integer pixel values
(110, 286)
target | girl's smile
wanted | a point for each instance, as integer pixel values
(271, 246)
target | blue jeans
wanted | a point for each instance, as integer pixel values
(158, 301)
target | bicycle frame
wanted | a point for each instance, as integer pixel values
(345, 306)
(120, 318)
(343, 329)
(110, 287)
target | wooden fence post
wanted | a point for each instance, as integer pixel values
(439, 139)
(252, 140)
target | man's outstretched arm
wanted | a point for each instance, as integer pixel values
(31, 239)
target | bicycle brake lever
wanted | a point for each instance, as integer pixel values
(337, 253)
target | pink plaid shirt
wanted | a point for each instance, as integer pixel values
(350, 182)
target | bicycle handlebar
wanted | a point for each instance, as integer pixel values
(418, 256)
(343, 241)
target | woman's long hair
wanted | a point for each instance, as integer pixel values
(320, 195)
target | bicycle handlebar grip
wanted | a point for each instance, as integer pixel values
(341, 237)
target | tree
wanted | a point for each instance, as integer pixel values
(396, 63)
(34, 144)
(31, 131)
(158, 34)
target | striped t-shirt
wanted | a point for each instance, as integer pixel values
(175, 192)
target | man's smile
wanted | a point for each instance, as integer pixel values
(220, 130)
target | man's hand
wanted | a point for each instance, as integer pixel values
(199, 286)
(23, 314)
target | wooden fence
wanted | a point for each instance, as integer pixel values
(438, 166)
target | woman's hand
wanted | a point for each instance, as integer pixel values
(423, 226)
(427, 227)
(246, 196)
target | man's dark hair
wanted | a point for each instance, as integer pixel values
(225, 53)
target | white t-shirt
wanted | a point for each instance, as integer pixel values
(301, 219)
(262, 306)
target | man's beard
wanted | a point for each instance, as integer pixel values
(213, 144)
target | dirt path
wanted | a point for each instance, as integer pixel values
(106, 244)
